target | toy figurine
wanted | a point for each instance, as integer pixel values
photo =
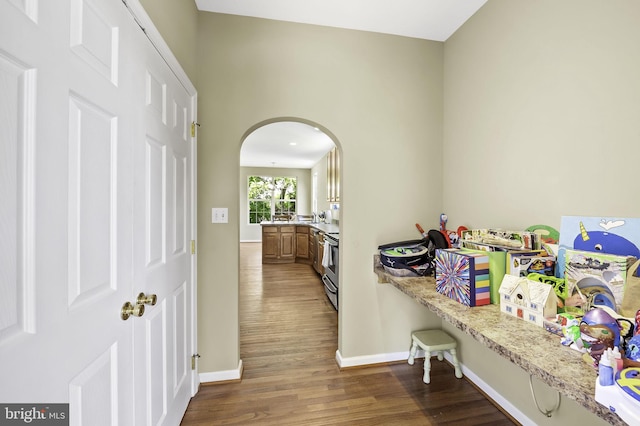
(633, 348)
(597, 339)
(443, 222)
(571, 333)
(599, 316)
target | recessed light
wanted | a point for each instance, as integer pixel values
(293, 143)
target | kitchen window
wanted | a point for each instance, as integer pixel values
(269, 195)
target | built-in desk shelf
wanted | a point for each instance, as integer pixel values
(532, 348)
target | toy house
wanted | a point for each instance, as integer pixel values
(529, 300)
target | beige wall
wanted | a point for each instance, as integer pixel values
(380, 96)
(177, 21)
(253, 232)
(538, 95)
(542, 113)
(540, 121)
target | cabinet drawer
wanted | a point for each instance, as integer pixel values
(302, 229)
(267, 229)
(287, 229)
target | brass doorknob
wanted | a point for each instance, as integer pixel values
(144, 299)
(128, 310)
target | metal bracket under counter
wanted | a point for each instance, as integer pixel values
(559, 367)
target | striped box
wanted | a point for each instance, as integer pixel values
(463, 275)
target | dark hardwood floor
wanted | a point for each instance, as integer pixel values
(288, 340)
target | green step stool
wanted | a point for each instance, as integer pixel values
(433, 341)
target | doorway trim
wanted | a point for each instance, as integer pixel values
(336, 142)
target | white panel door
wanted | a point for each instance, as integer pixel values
(65, 220)
(95, 182)
(163, 345)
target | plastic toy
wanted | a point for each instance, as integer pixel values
(443, 221)
(597, 339)
(571, 334)
(623, 397)
(598, 316)
(633, 348)
(547, 233)
(453, 237)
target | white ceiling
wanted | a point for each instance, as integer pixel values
(435, 20)
(285, 144)
(427, 19)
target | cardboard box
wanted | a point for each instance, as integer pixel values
(463, 275)
(523, 263)
(600, 278)
(505, 239)
(497, 266)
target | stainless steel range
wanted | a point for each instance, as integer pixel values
(331, 262)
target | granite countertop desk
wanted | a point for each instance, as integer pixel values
(547, 360)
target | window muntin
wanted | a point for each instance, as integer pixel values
(269, 195)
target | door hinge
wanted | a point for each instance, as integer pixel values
(194, 358)
(193, 128)
(193, 246)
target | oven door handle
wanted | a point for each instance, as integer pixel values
(329, 284)
(331, 242)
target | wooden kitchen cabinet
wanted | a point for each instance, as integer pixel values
(270, 243)
(287, 243)
(312, 248)
(317, 264)
(278, 244)
(293, 243)
(302, 244)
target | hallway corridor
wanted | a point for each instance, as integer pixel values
(288, 334)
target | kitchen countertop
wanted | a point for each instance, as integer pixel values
(324, 227)
(535, 350)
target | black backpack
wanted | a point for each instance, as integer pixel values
(413, 257)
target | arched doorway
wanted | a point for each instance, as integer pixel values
(276, 148)
(288, 146)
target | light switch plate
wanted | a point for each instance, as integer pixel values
(219, 215)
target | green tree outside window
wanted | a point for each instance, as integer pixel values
(270, 195)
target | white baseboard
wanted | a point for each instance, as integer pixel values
(222, 376)
(372, 359)
(493, 394)
(403, 356)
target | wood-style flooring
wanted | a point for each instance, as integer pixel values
(288, 341)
